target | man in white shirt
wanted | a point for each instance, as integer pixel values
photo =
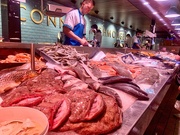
(74, 24)
(128, 41)
(136, 40)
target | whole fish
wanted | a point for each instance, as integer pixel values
(114, 79)
(111, 92)
(12, 79)
(141, 95)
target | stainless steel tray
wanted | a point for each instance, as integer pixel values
(46, 57)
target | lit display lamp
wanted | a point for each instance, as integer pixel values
(172, 12)
(176, 22)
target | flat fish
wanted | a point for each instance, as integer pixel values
(147, 75)
(12, 79)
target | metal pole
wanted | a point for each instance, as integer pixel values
(32, 57)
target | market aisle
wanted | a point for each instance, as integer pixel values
(164, 121)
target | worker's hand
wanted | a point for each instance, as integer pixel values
(84, 42)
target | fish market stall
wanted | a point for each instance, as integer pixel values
(139, 114)
(117, 82)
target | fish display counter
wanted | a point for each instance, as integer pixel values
(14, 54)
(139, 114)
(124, 87)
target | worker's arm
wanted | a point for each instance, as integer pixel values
(70, 34)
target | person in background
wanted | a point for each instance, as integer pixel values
(152, 44)
(128, 41)
(117, 44)
(60, 37)
(97, 39)
(136, 40)
(74, 24)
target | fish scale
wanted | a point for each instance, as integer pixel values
(14, 78)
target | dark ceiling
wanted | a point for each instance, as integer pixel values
(133, 13)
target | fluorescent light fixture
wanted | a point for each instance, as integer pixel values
(176, 22)
(21, 1)
(177, 28)
(146, 3)
(160, 0)
(172, 12)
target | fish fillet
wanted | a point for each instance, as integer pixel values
(12, 79)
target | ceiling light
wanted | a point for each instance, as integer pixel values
(177, 28)
(176, 22)
(160, 0)
(146, 3)
(172, 12)
(22, 1)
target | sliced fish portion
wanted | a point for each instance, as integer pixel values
(12, 79)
